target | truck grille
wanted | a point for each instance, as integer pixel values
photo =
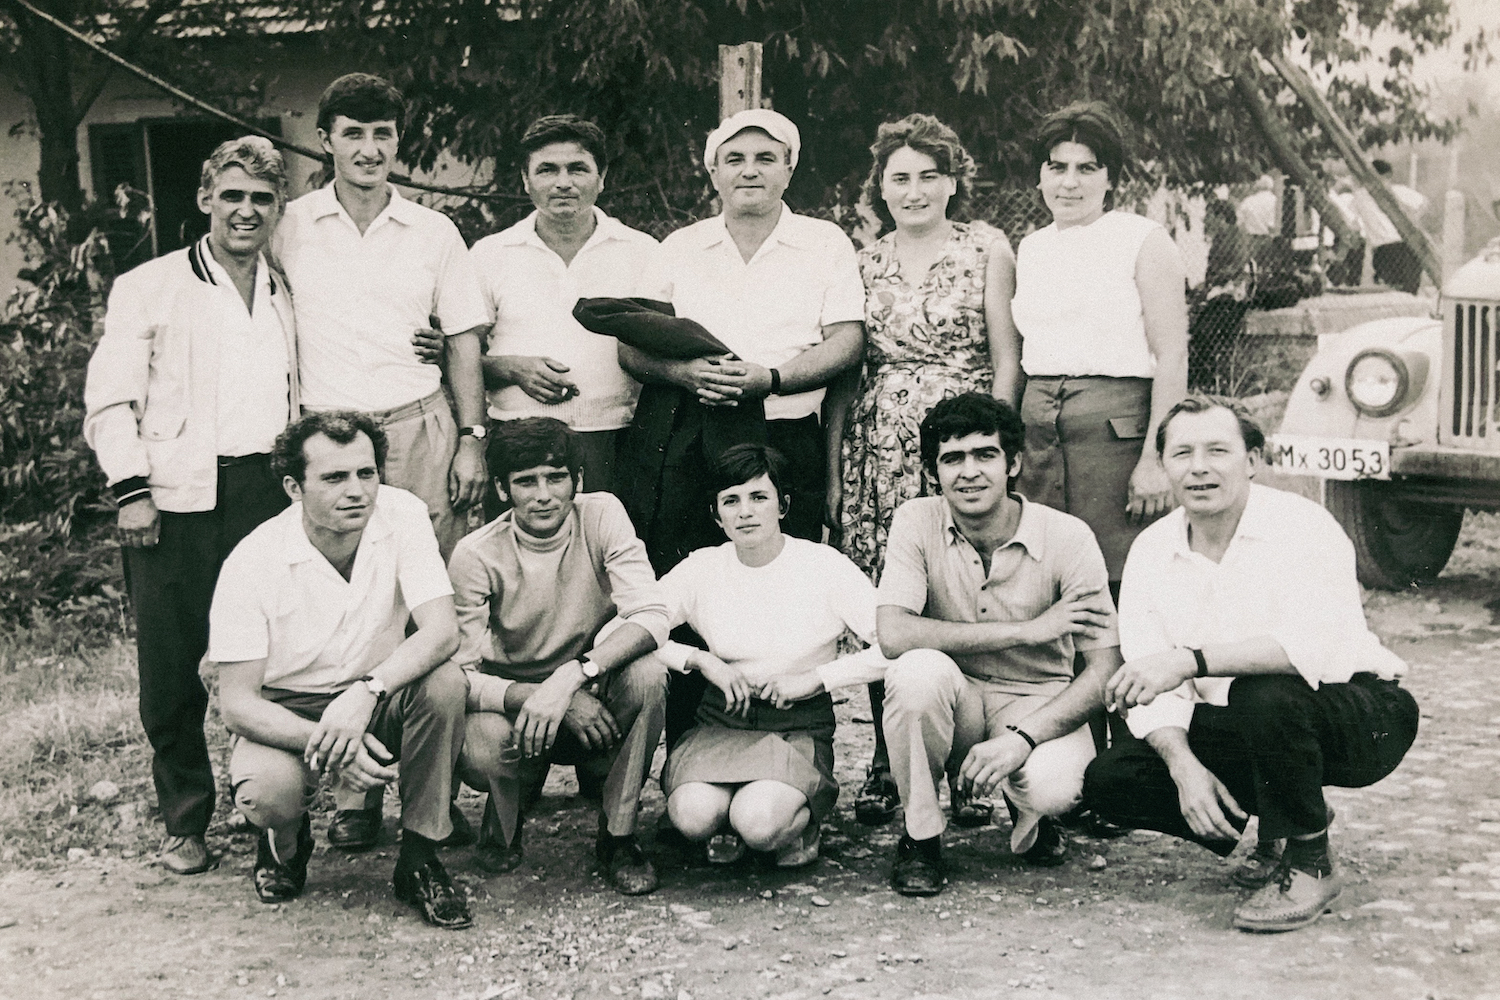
(1470, 394)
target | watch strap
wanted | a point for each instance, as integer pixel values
(1024, 735)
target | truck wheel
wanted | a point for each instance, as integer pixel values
(1397, 541)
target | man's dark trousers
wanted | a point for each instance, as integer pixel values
(171, 587)
(1276, 745)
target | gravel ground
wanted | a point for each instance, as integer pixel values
(1141, 917)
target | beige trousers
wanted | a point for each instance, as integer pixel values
(934, 714)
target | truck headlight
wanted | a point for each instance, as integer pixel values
(1381, 382)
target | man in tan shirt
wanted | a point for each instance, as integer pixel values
(535, 589)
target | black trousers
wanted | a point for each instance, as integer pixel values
(1276, 745)
(801, 444)
(171, 587)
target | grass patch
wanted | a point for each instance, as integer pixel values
(69, 719)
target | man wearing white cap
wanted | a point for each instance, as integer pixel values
(781, 290)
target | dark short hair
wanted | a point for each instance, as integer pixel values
(1254, 437)
(925, 134)
(563, 128)
(1222, 210)
(741, 463)
(340, 426)
(256, 155)
(1090, 123)
(1382, 167)
(362, 97)
(516, 445)
(971, 413)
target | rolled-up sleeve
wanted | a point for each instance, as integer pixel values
(1143, 632)
(1081, 571)
(844, 298)
(459, 299)
(239, 629)
(903, 581)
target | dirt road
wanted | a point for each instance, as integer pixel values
(1143, 917)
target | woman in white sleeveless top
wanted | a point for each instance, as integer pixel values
(1101, 312)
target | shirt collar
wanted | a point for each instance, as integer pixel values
(1028, 533)
(216, 274)
(296, 547)
(791, 230)
(1257, 521)
(398, 209)
(524, 232)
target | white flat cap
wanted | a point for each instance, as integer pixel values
(777, 126)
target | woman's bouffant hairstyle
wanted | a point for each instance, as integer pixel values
(743, 462)
(1089, 123)
(516, 445)
(340, 426)
(925, 134)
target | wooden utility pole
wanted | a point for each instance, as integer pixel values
(1278, 136)
(739, 78)
(1308, 93)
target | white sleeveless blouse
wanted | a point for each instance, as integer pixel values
(1077, 305)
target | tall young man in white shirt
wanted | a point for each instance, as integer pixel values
(369, 269)
(317, 671)
(1250, 672)
(540, 361)
(194, 377)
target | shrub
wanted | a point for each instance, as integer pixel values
(56, 547)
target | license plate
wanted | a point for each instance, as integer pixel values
(1329, 458)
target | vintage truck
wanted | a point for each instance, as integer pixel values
(1400, 418)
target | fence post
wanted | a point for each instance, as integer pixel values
(739, 78)
(1453, 232)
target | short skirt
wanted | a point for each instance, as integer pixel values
(793, 746)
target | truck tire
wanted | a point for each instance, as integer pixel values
(1397, 541)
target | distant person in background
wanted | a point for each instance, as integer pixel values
(1257, 214)
(194, 377)
(540, 360)
(1221, 302)
(1394, 262)
(937, 294)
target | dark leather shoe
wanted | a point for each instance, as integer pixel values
(463, 831)
(278, 881)
(354, 829)
(968, 811)
(1090, 823)
(493, 854)
(186, 855)
(623, 864)
(428, 887)
(878, 798)
(1051, 847)
(915, 873)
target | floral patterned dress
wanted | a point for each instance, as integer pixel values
(924, 342)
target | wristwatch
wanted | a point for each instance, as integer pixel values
(589, 667)
(477, 432)
(377, 687)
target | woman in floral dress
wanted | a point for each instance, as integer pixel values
(937, 296)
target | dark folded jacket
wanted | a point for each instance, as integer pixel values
(662, 471)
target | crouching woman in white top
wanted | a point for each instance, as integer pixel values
(769, 607)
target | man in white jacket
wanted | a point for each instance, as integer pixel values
(194, 377)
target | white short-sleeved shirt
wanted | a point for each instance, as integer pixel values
(253, 365)
(358, 298)
(1077, 305)
(280, 599)
(1288, 573)
(805, 276)
(531, 294)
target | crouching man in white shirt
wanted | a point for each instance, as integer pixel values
(317, 673)
(1249, 672)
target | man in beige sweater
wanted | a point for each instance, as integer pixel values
(548, 683)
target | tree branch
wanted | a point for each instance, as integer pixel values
(124, 46)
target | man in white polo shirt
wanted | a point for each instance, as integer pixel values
(541, 362)
(368, 269)
(317, 672)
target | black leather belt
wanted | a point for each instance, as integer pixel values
(256, 458)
